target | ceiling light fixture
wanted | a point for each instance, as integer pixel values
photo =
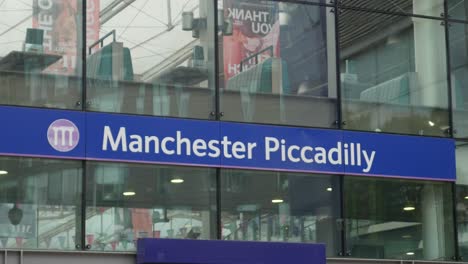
(277, 201)
(177, 180)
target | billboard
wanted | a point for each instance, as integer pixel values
(255, 34)
(62, 23)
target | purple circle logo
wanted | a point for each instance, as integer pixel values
(63, 135)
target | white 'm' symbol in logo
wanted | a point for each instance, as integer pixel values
(63, 135)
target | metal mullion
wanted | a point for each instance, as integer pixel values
(342, 223)
(455, 20)
(83, 108)
(219, 228)
(302, 2)
(339, 125)
(217, 110)
(217, 116)
(454, 216)
(451, 131)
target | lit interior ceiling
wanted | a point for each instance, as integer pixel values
(404, 6)
(355, 26)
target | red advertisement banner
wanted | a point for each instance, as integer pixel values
(255, 29)
(61, 22)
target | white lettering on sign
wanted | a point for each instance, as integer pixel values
(260, 20)
(250, 15)
(344, 154)
(63, 133)
(347, 154)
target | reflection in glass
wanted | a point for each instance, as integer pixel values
(272, 206)
(459, 76)
(151, 57)
(40, 53)
(462, 198)
(393, 74)
(278, 63)
(126, 202)
(457, 9)
(39, 203)
(421, 7)
(398, 219)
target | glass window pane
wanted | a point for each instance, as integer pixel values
(398, 219)
(462, 198)
(459, 77)
(458, 9)
(151, 57)
(278, 63)
(286, 207)
(40, 53)
(130, 201)
(40, 203)
(421, 7)
(393, 74)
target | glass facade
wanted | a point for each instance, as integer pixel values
(40, 203)
(457, 9)
(394, 67)
(127, 202)
(286, 207)
(458, 68)
(41, 54)
(398, 219)
(284, 74)
(393, 75)
(147, 61)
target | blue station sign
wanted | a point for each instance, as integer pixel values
(156, 140)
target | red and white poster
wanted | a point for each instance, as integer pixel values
(61, 22)
(142, 223)
(255, 28)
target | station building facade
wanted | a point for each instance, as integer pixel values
(314, 121)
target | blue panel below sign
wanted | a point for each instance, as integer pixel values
(168, 251)
(156, 140)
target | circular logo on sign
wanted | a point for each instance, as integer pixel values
(63, 135)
